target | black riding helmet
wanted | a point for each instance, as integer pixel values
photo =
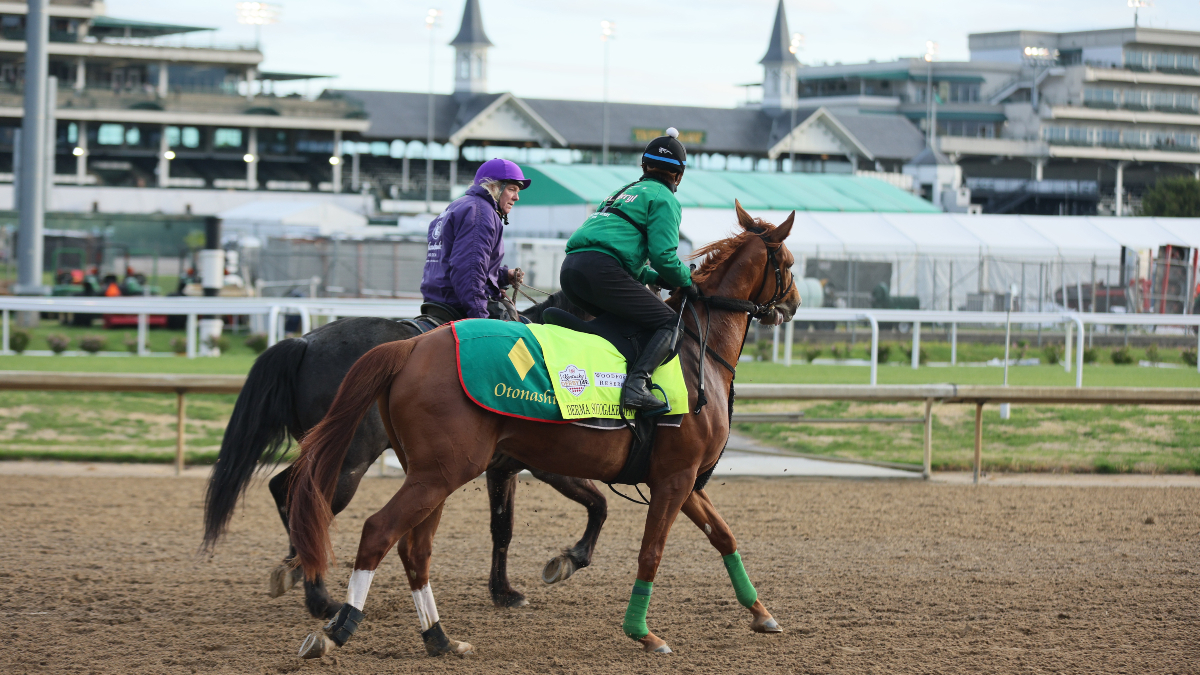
(666, 153)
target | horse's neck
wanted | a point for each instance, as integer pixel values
(726, 330)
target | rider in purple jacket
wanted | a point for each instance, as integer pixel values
(462, 267)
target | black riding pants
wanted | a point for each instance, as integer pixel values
(596, 282)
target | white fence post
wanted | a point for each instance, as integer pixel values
(789, 333)
(916, 345)
(273, 326)
(1067, 346)
(191, 336)
(4, 346)
(953, 344)
(874, 348)
(1079, 351)
(143, 331)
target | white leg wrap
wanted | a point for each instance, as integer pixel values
(426, 609)
(356, 590)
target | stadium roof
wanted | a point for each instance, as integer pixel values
(580, 124)
(107, 26)
(560, 184)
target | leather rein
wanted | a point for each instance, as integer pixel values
(754, 309)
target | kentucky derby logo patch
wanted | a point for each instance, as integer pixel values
(573, 380)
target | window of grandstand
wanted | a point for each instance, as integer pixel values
(224, 139)
(110, 134)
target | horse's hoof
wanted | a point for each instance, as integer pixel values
(437, 644)
(559, 569)
(316, 645)
(654, 644)
(511, 600)
(283, 579)
(768, 626)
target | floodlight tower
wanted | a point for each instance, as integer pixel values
(796, 45)
(258, 14)
(1136, 5)
(433, 18)
(931, 52)
(607, 28)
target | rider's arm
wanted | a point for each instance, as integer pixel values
(662, 241)
(649, 277)
(468, 262)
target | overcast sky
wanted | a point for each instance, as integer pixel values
(689, 52)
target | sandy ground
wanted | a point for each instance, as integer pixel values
(100, 576)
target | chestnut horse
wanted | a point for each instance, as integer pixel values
(417, 390)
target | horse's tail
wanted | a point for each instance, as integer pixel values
(257, 433)
(323, 450)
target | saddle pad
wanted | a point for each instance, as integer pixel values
(548, 373)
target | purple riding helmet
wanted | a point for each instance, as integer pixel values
(501, 169)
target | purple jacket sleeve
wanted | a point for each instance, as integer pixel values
(468, 261)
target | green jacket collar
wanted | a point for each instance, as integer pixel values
(670, 186)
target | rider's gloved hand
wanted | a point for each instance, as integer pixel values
(516, 276)
(691, 293)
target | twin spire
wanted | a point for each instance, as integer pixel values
(471, 45)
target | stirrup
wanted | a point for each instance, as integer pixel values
(653, 412)
(666, 406)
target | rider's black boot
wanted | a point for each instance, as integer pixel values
(636, 393)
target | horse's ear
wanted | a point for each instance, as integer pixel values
(781, 232)
(744, 219)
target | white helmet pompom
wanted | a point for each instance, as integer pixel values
(672, 132)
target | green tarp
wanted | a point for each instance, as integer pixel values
(562, 184)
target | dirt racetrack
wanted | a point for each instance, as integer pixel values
(99, 576)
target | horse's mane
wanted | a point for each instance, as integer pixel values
(719, 251)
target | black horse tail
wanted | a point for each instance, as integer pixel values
(258, 432)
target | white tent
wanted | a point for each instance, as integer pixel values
(942, 258)
(265, 219)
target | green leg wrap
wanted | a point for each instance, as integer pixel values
(635, 614)
(742, 587)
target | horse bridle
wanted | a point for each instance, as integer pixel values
(754, 309)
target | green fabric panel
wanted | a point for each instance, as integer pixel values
(824, 188)
(746, 595)
(590, 183)
(881, 194)
(594, 371)
(493, 376)
(752, 185)
(635, 613)
(711, 190)
(586, 183)
(906, 201)
(545, 191)
(852, 189)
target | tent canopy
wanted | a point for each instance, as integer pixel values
(272, 218)
(559, 184)
(1028, 238)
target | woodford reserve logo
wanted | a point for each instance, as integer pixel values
(573, 380)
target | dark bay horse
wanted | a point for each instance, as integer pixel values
(287, 392)
(746, 275)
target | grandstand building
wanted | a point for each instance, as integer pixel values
(140, 104)
(1034, 122)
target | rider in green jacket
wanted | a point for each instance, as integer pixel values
(629, 242)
